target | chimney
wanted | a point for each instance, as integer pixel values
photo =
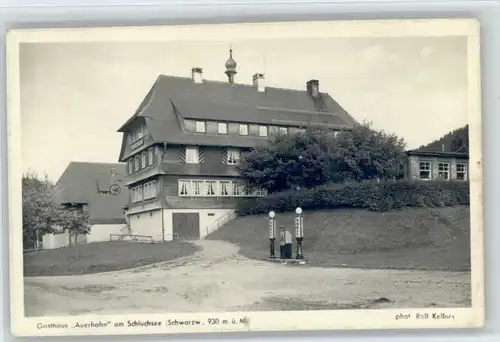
(313, 88)
(259, 82)
(197, 74)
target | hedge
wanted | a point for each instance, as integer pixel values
(375, 196)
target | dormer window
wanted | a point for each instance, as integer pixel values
(222, 128)
(243, 129)
(192, 155)
(200, 127)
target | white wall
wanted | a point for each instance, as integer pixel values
(101, 232)
(146, 223)
(207, 221)
(53, 241)
(98, 233)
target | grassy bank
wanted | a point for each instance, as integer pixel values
(407, 238)
(102, 257)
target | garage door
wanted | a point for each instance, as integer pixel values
(186, 225)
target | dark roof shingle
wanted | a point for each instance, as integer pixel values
(173, 99)
(82, 182)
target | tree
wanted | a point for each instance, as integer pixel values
(41, 208)
(365, 153)
(289, 161)
(75, 221)
(316, 156)
(44, 212)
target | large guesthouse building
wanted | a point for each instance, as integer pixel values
(184, 142)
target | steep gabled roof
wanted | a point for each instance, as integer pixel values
(82, 183)
(172, 99)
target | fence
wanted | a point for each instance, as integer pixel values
(229, 216)
(141, 238)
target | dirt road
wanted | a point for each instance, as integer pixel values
(217, 278)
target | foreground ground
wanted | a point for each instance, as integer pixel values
(218, 278)
(102, 257)
(410, 238)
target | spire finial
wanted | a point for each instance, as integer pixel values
(230, 66)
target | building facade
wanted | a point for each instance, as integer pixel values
(431, 165)
(183, 144)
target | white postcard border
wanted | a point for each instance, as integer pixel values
(248, 321)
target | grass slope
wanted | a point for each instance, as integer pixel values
(410, 238)
(102, 257)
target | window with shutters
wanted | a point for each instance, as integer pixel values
(233, 156)
(192, 155)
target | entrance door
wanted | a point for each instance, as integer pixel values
(186, 225)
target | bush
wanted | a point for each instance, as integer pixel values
(375, 196)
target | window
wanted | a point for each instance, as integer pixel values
(243, 129)
(211, 188)
(283, 130)
(222, 128)
(225, 188)
(192, 156)
(238, 189)
(143, 159)
(262, 131)
(183, 188)
(197, 187)
(130, 163)
(233, 156)
(137, 194)
(150, 190)
(444, 171)
(138, 133)
(425, 170)
(200, 127)
(461, 171)
(151, 156)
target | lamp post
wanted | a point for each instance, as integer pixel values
(272, 232)
(299, 232)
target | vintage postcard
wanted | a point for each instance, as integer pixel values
(245, 177)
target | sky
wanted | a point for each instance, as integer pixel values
(74, 96)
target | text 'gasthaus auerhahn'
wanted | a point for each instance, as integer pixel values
(146, 323)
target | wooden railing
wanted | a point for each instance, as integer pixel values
(229, 216)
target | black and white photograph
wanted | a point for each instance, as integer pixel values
(245, 177)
